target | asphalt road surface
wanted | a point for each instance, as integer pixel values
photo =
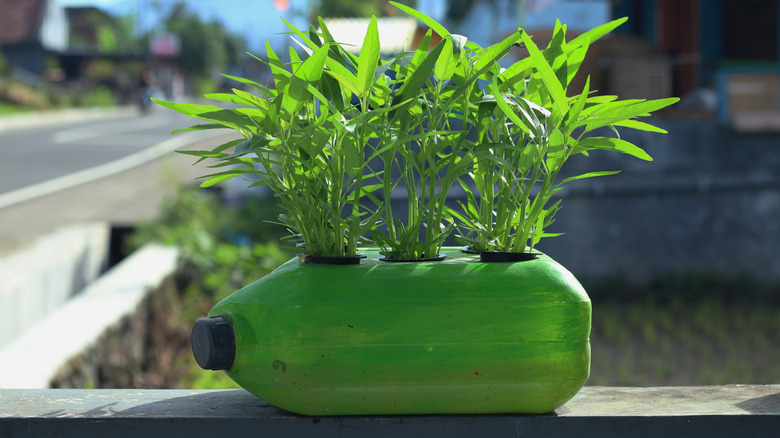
(34, 155)
(116, 168)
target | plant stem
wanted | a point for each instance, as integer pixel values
(387, 186)
(335, 192)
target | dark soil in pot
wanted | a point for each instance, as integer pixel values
(331, 260)
(424, 259)
(498, 256)
(487, 256)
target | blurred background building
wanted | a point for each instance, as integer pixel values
(712, 192)
(696, 225)
(720, 56)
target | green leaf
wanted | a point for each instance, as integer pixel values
(640, 108)
(348, 81)
(604, 98)
(558, 40)
(375, 113)
(459, 43)
(414, 83)
(230, 118)
(484, 116)
(422, 49)
(556, 151)
(615, 112)
(591, 111)
(529, 106)
(267, 91)
(342, 74)
(369, 58)
(597, 32)
(325, 31)
(573, 62)
(303, 36)
(333, 62)
(311, 69)
(280, 80)
(294, 58)
(250, 145)
(642, 126)
(303, 86)
(313, 36)
(217, 152)
(332, 91)
(338, 54)
(271, 121)
(253, 100)
(549, 78)
(229, 98)
(589, 175)
(200, 127)
(445, 65)
(513, 78)
(224, 176)
(304, 47)
(612, 144)
(579, 104)
(505, 108)
(312, 140)
(186, 108)
(430, 22)
(487, 57)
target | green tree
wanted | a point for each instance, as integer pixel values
(127, 39)
(205, 46)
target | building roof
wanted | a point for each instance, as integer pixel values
(20, 20)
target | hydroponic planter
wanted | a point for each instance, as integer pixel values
(454, 336)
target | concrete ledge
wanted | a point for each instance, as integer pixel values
(34, 358)
(717, 411)
(38, 279)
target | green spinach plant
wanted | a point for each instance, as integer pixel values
(306, 147)
(527, 128)
(339, 133)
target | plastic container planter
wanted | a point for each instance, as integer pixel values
(454, 336)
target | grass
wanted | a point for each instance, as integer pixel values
(9, 109)
(709, 341)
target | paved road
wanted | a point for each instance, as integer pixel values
(34, 155)
(116, 169)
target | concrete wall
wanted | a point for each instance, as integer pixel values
(39, 278)
(104, 323)
(709, 203)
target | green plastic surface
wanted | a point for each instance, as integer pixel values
(456, 336)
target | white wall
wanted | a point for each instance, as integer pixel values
(54, 29)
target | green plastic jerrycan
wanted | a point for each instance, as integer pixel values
(444, 337)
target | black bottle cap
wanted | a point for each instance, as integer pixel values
(213, 343)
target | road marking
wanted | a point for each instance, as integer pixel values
(105, 170)
(100, 129)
